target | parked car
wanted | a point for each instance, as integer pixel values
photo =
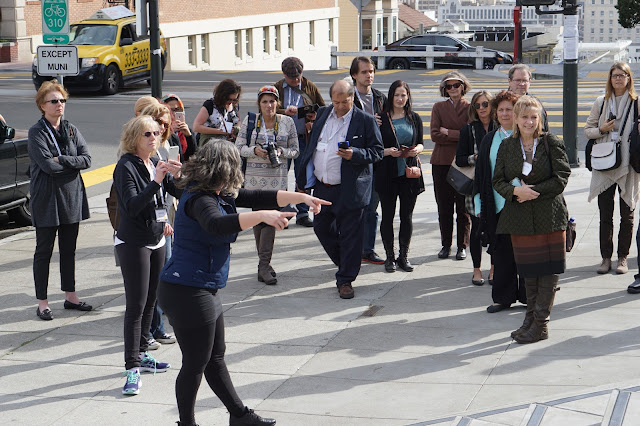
(110, 53)
(440, 43)
(14, 174)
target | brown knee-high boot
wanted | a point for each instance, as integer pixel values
(547, 287)
(531, 287)
(265, 236)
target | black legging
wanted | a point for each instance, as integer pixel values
(475, 246)
(45, 239)
(140, 270)
(203, 352)
(397, 189)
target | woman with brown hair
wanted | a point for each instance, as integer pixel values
(58, 203)
(532, 170)
(481, 116)
(218, 116)
(447, 118)
(611, 120)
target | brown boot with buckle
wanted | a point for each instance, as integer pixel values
(547, 287)
(346, 291)
(531, 287)
(622, 267)
(265, 236)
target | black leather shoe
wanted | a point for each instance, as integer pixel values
(82, 306)
(444, 253)
(305, 221)
(496, 307)
(390, 265)
(372, 258)
(250, 418)
(46, 315)
(477, 282)
(634, 287)
(461, 254)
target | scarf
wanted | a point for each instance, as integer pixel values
(624, 176)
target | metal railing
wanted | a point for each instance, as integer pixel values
(429, 54)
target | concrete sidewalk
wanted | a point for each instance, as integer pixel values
(410, 348)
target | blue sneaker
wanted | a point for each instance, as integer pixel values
(133, 384)
(150, 364)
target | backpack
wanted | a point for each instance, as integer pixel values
(251, 124)
(112, 208)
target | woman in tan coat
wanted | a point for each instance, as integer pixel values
(447, 118)
(606, 123)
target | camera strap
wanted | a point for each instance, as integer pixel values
(275, 129)
(307, 99)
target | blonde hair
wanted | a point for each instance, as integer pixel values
(454, 75)
(144, 102)
(132, 131)
(46, 88)
(156, 111)
(524, 104)
(624, 67)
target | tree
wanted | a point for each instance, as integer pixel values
(628, 13)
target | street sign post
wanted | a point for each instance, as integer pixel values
(57, 60)
(55, 21)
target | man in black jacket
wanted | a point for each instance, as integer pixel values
(371, 101)
(519, 82)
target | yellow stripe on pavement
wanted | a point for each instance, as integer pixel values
(342, 71)
(385, 72)
(598, 74)
(437, 72)
(94, 177)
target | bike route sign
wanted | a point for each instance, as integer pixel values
(55, 21)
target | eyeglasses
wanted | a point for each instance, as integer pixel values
(55, 101)
(234, 100)
(176, 109)
(482, 105)
(521, 81)
(619, 76)
(162, 123)
(155, 134)
(452, 86)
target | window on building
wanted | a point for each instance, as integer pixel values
(312, 33)
(395, 29)
(331, 30)
(204, 48)
(367, 33)
(610, 30)
(191, 42)
(601, 30)
(290, 36)
(379, 32)
(593, 13)
(248, 42)
(265, 40)
(593, 30)
(602, 13)
(385, 30)
(611, 14)
(236, 43)
(276, 37)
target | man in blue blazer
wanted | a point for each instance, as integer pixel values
(338, 165)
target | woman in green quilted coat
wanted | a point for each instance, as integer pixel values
(531, 173)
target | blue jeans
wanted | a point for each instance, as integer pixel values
(370, 217)
(303, 209)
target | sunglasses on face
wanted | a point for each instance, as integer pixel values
(482, 105)
(162, 123)
(452, 86)
(55, 101)
(155, 133)
(177, 109)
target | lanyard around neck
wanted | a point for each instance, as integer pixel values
(53, 138)
(275, 128)
(362, 101)
(535, 145)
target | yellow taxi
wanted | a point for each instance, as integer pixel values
(110, 53)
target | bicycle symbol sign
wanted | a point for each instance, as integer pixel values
(55, 17)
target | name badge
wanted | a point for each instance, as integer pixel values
(322, 147)
(526, 168)
(162, 215)
(615, 136)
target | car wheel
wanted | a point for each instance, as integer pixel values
(111, 80)
(489, 64)
(399, 64)
(21, 215)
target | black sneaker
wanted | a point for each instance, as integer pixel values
(634, 287)
(372, 258)
(249, 419)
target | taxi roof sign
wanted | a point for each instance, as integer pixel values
(112, 13)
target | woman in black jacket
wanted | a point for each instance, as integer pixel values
(57, 152)
(401, 131)
(481, 122)
(141, 182)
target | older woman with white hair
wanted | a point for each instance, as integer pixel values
(447, 118)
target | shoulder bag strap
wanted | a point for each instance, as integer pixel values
(306, 97)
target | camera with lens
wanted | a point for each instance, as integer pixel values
(307, 109)
(272, 152)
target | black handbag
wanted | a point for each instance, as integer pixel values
(634, 141)
(461, 178)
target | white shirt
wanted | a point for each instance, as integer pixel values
(326, 161)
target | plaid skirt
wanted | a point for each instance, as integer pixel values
(539, 255)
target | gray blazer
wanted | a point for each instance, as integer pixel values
(58, 195)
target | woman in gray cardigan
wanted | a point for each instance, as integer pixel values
(57, 152)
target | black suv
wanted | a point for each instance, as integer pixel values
(440, 43)
(14, 178)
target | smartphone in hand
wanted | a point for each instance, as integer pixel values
(179, 115)
(343, 145)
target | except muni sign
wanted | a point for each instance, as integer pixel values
(57, 60)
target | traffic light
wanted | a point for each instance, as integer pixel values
(537, 2)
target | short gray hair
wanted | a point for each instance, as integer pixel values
(215, 166)
(349, 89)
(522, 67)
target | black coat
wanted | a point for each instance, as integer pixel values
(483, 185)
(135, 192)
(470, 140)
(387, 169)
(379, 99)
